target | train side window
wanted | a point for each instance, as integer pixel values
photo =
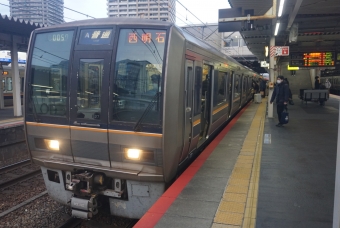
(197, 95)
(236, 86)
(9, 84)
(189, 75)
(3, 84)
(219, 88)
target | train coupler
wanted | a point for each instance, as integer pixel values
(84, 208)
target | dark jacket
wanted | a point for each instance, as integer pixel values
(281, 93)
(263, 85)
(316, 84)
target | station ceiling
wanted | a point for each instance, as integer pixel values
(318, 25)
(21, 29)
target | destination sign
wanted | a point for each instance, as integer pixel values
(312, 59)
(95, 36)
(157, 37)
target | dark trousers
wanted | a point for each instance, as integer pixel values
(280, 108)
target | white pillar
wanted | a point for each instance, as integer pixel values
(312, 76)
(2, 100)
(336, 212)
(271, 78)
(15, 79)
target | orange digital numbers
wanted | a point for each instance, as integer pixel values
(160, 37)
(133, 38)
(146, 38)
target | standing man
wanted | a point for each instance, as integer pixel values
(281, 93)
(328, 84)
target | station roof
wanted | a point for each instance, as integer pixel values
(318, 25)
(12, 26)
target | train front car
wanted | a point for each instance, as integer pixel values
(95, 93)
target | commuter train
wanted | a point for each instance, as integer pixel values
(7, 87)
(115, 108)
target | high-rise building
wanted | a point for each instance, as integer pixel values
(149, 9)
(48, 12)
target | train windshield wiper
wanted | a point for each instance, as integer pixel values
(146, 111)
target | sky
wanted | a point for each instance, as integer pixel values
(206, 11)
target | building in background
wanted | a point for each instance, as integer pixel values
(150, 9)
(229, 43)
(47, 12)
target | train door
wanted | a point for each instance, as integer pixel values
(206, 101)
(88, 107)
(189, 74)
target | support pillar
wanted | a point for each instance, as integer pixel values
(15, 79)
(2, 100)
(312, 74)
(336, 212)
(271, 78)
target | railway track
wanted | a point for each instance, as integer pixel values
(14, 166)
(75, 222)
(11, 144)
(19, 179)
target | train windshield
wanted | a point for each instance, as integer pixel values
(48, 73)
(137, 88)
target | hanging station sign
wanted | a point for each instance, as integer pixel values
(312, 59)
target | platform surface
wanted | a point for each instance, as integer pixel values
(7, 118)
(259, 175)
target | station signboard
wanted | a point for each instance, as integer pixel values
(312, 59)
(279, 51)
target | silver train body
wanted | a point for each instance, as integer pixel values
(6, 83)
(99, 144)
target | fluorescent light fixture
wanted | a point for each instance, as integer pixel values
(133, 154)
(266, 50)
(282, 2)
(277, 28)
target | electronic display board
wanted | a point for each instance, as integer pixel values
(95, 36)
(312, 59)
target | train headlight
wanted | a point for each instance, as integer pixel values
(52, 144)
(133, 154)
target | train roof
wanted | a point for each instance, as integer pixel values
(141, 21)
(110, 21)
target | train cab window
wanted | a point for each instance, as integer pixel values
(137, 83)
(48, 73)
(9, 84)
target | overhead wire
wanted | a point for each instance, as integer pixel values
(209, 28)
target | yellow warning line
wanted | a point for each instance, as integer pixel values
(238, 206)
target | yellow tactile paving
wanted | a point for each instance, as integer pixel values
(234, 207)
(243, 176)
(246, 165)
(235, 181)
(235, 197)
(217, 225)
(238, 206)
(228, 218)
(237, 189)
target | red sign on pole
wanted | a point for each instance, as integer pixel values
(279, 51)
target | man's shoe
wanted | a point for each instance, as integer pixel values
(278, 125)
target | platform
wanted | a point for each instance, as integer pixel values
(8, 120)
(255, 174)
